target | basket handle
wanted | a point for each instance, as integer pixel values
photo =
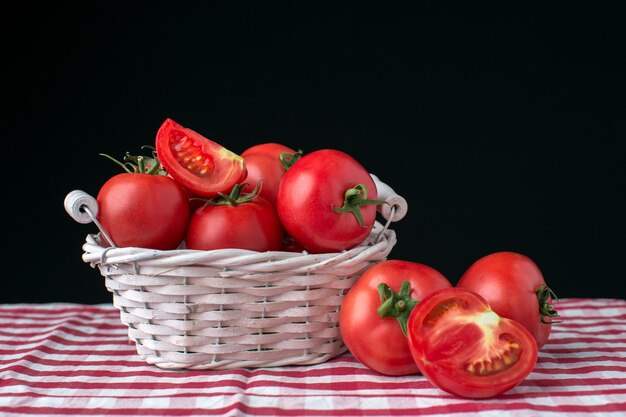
(84, 209)
(396, 206)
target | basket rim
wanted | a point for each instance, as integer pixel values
(380, 238)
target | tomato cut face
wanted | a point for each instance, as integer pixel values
(203, 167)
(463, 347)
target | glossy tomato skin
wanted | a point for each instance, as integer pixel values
(252, 225)
(267, 168)
(202, 166)
(273, 149)
(463, 347)
(509, 282)
(142, 210)
(377, 342)
(309, 191)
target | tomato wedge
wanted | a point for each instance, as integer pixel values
(463, 347)
(203, 167)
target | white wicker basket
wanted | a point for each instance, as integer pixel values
(231, 308)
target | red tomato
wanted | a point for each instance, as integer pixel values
(514, 287)
(327, 201)
(143, 210)
(265, 168)
(272, 149)
(200, 165)
(243, 223)
(379, 343)
(268, 162)
(463, 347)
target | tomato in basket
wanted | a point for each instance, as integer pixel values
(235, 221)
(373, 314)
(143, 207)
(273, 149)
(268, 163)
(465, 348)
(327, 201)
(200, 165)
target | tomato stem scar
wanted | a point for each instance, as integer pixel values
(353, 199)
(396, 305)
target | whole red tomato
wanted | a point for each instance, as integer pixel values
(379, 342)
(515, 288)
(327, 201)
(234, 221)
(273, 149)
(267, 162)
(143, 207)
(465, 348)
(202, 166)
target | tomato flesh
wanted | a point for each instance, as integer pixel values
(465, 348)
(202, 166)
(191, 154)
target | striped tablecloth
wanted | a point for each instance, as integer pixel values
(71, 359)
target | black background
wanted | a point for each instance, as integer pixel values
(503, 127)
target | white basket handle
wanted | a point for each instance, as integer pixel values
(81, 206)
(396, 206)
(84, 209)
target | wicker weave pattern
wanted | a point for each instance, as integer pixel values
(231, 308)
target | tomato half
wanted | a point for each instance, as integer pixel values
(202, 166)
(463, 347)
(143, 210)
(515, 288)
(379, 343)
(327, 201)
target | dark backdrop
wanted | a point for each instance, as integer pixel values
(502, 127)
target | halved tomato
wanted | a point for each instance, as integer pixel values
(203, 167)
(463, 347)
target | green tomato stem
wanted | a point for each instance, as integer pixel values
(235, 197)
(353, 199)
(546, 309)
(396, 305)
(288, 159)
(140, 164)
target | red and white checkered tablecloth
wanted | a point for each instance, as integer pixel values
(69, 359)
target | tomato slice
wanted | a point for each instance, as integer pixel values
(463, 347)
(203, 167)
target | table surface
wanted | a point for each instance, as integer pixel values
(73, 359)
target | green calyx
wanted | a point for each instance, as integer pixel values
(546, 309)
(140, 164)
(396, 305)
(288, 159)
(235, 197)
(353, 199)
